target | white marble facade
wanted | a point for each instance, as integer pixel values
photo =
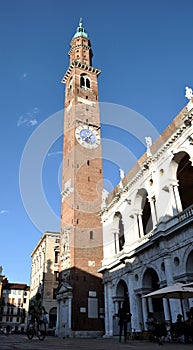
(148, 229)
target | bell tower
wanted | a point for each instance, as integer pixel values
(81, 251)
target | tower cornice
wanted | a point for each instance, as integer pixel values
(83, 66)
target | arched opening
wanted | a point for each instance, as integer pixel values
(119, 236)
(84, 81)
(189, 266)
(120, 298)
(150, 284)
(52, 317)
(185, 179)
(144, 219)
(146, 216)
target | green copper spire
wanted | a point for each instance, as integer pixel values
(80, 31)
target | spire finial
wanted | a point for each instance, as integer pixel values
(80, 22)
(80, 30)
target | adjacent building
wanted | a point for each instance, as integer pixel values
(14, 304)
(44, 272)
(148, 228)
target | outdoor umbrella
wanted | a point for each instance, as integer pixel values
(175, 291)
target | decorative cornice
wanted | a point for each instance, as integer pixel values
(78, 64)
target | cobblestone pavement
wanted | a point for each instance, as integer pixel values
(20, 342)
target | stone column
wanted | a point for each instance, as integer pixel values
(135, 325)
(168, 269)
(58, 318)
(115, 239)
(140, 224)
(153, 211)
(106, 310)
(145, 313)
(110, 309)
(166, 310)
(150, 304)
(70, 313)
(174, 304)
(177, 205)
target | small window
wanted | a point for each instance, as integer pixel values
(56, 256)
(88, 162)
(84, 81)
(91, 235)
(54, 293)
(70, 84)
(56, 275)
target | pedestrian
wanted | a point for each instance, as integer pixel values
(124, 318)
(151, 326)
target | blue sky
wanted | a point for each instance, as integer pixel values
(144, 49)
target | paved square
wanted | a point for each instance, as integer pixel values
(20, 342)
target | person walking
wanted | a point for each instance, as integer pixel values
(124, 318)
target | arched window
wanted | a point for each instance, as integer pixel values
(185, 179)
(144, 217)
(84, 81)
(70, 84)
(118, 232)
(52, 317)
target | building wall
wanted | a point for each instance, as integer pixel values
(14, 307)
(147, 229)
(44, 272)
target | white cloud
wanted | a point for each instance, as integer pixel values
(29, 118)
(21, 121)
(3, 211)
(23, 76)
(32, 122)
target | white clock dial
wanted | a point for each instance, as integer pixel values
(87, 136)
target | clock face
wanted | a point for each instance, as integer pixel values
(87, 136)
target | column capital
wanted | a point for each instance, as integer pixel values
(173, 182)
